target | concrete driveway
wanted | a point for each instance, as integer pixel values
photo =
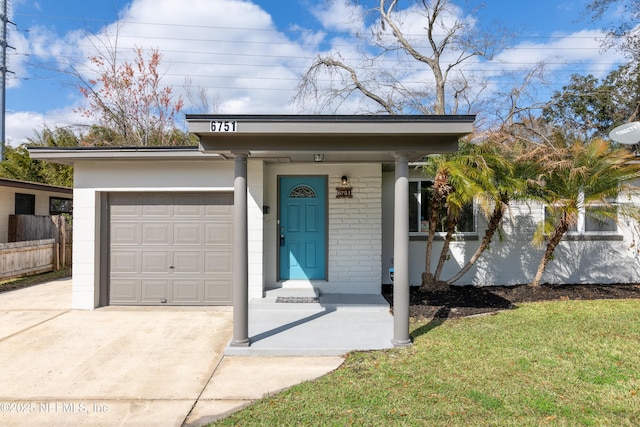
(128, 366)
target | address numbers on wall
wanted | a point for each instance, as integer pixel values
(224, 126)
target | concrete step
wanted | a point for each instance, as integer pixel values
(307, 292)
(332, 301)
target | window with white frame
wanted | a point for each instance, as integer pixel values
(598, 224)
(420, 211)
(590, 221)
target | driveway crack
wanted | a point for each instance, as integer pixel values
(34, 325)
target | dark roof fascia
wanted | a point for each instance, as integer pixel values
(116, 149)
(354, 118)
(4, 182)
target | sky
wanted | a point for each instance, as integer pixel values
(247, 56)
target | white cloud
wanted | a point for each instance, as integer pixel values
(25, 124)
(563, 55)
(234, 50)
(21, 125)
(235, 54)
(230, 47)
(340, 15)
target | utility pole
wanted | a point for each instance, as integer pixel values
(3, 71)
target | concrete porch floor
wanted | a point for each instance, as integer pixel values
(336, 325)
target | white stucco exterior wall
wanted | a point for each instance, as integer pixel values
(514, 260)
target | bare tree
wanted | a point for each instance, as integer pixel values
(199, 99)
(623, 32)
(445, 45)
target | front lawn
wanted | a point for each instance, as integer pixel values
(563, 363)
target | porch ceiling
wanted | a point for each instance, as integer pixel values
(339, 138)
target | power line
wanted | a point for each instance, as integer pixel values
(252, 46)
(261, 29)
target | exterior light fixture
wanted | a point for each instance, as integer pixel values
(318, 158)
(344, 190)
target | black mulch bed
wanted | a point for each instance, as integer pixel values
(463, 301)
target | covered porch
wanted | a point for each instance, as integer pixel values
(390, 142)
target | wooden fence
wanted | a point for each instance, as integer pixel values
(37, 244)
(26, 258)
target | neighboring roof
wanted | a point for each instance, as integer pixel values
(338, 137)
(293, 138)
(34, 186)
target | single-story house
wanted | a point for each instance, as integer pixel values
(268, 201)
(29, 198)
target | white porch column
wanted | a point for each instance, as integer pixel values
(401, 254)
(240, 279)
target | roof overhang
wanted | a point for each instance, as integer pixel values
(68, 156)
(352, 138)
(292, 138)
(4, 182)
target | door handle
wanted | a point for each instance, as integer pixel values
(282, 239)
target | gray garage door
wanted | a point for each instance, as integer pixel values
(170, 248)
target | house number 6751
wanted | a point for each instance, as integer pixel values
(224, 126)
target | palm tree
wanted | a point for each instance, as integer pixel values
(510, 180)
(578, 176)
(459, 177)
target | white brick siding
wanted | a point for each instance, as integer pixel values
(354, 226)
(355, 234)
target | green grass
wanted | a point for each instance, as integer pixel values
(22, 282)
(569, 363)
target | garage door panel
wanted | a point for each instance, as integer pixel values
(154, 291)
(159, 233)
(125, 234)
(187, 291)
(218, 261)
(186, 262)
(125, 210)
(219, 233)
(218, 290)
(125, 290)
(185, 210)
(155, 262)
(124, 261)
(157, 205)
(220, 211)
(170, 248)
(187, 234)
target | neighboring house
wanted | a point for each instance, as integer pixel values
(325, 202)
(29, 198)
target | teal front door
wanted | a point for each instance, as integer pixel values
(303, 227)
